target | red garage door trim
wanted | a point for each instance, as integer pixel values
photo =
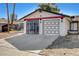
(44, 18)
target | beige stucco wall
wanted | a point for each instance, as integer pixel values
(76, 18)
(38, 14)
(34, 15)
(67, 23)
(64, 26)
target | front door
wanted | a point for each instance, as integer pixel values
(33, 27)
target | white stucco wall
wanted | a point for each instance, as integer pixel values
(41, 27)
(25, 26)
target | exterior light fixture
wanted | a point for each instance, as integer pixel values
(61, 19)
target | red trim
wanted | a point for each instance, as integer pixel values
(44, 18)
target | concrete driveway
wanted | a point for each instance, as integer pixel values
(32, 42)
(63, 46)
(69, 42)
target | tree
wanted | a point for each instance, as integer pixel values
(12, 19)
(7, 16)
(49, 7)
(7, 10)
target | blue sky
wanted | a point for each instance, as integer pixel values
(23, 9)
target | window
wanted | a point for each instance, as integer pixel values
(73, 26)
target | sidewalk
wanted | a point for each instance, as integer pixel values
(6, 34)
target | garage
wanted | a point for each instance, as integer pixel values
(51, 27)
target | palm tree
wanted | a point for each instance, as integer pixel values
(13, 13)
(7, 16)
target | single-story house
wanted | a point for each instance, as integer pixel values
(49, 23)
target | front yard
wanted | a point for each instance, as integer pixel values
(25, 45)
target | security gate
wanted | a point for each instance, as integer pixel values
(32, 27)
(51, 27)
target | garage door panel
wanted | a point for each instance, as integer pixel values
(51, 27)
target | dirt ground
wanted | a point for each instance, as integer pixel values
(60, 52)
(6, 34)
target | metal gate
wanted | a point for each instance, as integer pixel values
(33, 27)
(51, 27)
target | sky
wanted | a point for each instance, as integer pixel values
(23, 9)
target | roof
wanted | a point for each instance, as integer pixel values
(45, 11)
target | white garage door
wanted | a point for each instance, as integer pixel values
(51, 27)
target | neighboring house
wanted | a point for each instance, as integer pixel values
(17, 25)
(4, 25)
(3, 21)
(49, 23)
